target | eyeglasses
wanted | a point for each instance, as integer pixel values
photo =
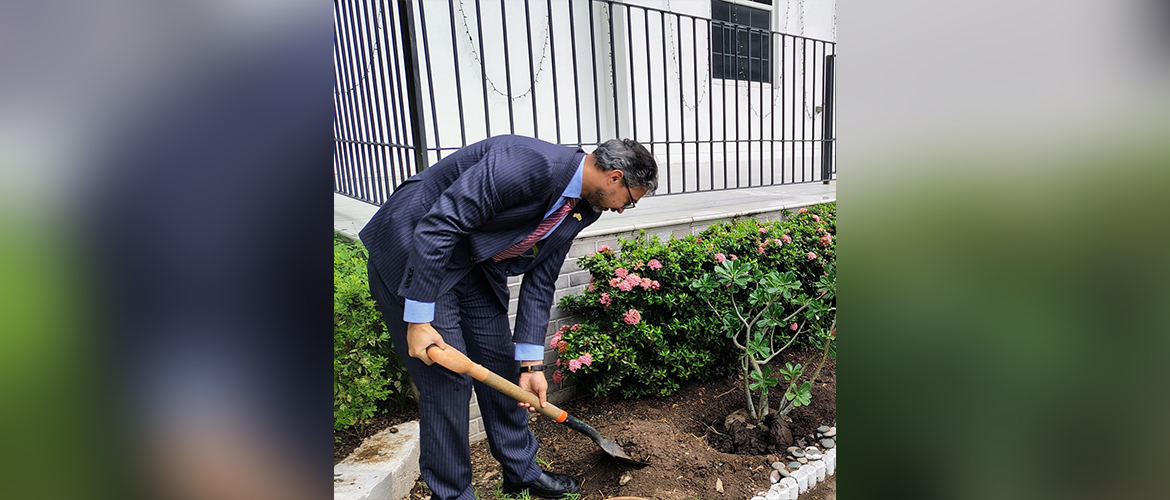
(631, 204)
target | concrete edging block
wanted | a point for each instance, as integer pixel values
(385, 466)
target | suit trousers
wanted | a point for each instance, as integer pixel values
(470, 318)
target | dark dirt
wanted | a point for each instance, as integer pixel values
(349, 441)
(676, 435)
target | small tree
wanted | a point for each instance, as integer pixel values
(768, 308)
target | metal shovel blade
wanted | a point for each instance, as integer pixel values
(609, 447)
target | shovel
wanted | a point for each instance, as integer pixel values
(459, 363)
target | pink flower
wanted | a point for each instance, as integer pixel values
(586, 359)
(762, 230)
(632, 317)
(574, 365)
(719, 257)
(732, 257)
(621, 272)
(802, 211)
(556, 340)
(654, 284)
(576, 327)
(558, 361)
(654, 264)
(604, 248)
(828, 238)
(778, 242)
(590, 286)
(625, 286)
(762, 248)
(637, 265)
(646, 283)
(812, 256)
(615, 281)
(605, 300)
(792, 327)
(820, 229)
(816, 217)
(786, 238)
(558, 377)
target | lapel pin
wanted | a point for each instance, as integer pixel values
(577, 216)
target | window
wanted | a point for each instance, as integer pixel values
(737, 52)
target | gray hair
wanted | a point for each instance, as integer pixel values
(638, 165)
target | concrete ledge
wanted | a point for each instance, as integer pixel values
(384, 467)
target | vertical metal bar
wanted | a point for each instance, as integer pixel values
(711, 103)
(764, 76)
(422, 17)
(413, 92)
(723, 85)
(737, 28)
(487, 118)
(682, 128)
(371, 114)
(748, 99)
(633, 81)
(666, 106)
(531, 72)
(507, 67)
(776, 82)
(795, 110)
(650, 73)
(576, 77)
(596, 80)
(813, 132)
(458, 83)
(803, 106)
(694, 59)
(387, 108)
(552, 48)
(827, 122)
(617, 126)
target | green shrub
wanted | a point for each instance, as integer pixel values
(646, 335)
(366, 371)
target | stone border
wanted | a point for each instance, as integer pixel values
(384, 466)
(802, 479)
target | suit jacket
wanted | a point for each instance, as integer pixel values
(454, 216)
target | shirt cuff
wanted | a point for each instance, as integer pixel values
(529, 352)
(418, 312)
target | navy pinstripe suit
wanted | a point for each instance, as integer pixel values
(432, 241)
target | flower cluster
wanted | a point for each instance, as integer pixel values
(626, 281)
(558, 342)
(632, 317)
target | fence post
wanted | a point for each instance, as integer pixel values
(413, 93)
(827, 123)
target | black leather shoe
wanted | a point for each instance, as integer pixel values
(548, 485)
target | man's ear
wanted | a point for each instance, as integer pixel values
(616, 175)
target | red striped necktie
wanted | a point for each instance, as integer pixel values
(541, 230)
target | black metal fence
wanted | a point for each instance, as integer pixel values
(721, 103)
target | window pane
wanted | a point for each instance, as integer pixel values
(720, 11)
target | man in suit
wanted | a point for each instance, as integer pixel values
(441, 250)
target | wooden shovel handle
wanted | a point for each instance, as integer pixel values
(457, 362)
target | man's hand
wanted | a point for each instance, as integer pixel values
(535, 383)
(419, 336)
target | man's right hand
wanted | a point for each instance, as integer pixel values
(419, 336)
